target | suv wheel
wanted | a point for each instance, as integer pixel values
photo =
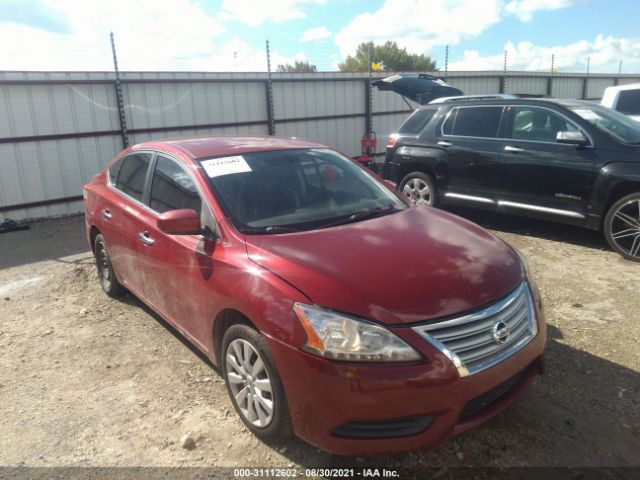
(622, 227)
(253, 383)
(419, 188)
(107, 277)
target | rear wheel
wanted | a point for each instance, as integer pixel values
(622, 227)
(253, 383)
(106, 275)
(419, 188)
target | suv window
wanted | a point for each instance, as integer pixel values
(132, 172)
(537, 124)
(418, 120)
(629, 102)
(173, 188)
(473, 122)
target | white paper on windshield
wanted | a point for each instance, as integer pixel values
(217, 167)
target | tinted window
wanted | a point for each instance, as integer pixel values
(113, 172)
(172, 188)
(538, 124)
(416, 122)
(629, 102)
(132, 174)
(447, 127)
(476, 122)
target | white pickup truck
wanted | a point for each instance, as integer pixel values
(623, 98)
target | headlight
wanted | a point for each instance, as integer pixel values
(339, 337)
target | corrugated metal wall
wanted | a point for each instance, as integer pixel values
(57, 129)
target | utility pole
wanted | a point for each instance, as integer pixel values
(585, 84)
(503, 82)
(369, 117)
(119, 100)
(269, 91)
(446, 60)
(550, 79)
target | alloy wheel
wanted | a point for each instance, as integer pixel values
(250, 383)
(417, 191)
(625, 228)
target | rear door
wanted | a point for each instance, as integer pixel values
(120, 213)
(539, 175)
(469, 135)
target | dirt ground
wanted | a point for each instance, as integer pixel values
(90, 381)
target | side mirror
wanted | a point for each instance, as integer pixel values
(572, 138)
(184, 221)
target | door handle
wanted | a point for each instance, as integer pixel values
(442, 143)
(106, 214)
(146, 239)
(509, 148)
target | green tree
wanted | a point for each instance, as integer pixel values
(298, 66)
(390, 56)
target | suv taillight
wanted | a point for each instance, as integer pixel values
(391, 142)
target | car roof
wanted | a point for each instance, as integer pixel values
(205, 147)
(628, 86)
(513, 101)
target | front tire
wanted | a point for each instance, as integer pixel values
(106, 275)
(622, 227)
(253, 384)
(419, 188)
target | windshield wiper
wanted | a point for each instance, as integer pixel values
(362, 215)
(270, 229)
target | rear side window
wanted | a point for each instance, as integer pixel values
(473, 122)
(132, 173)
(172, 188)
(629, 102)
(417, 121)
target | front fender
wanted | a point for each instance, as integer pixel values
(614, 179)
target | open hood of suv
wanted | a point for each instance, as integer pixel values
(420, 88)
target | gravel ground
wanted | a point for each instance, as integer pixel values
(90, 381)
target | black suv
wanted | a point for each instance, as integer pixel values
(569, 161)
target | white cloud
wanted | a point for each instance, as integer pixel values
(420, 25)
(524, 9)
(256, 12)
(236, 55)
(148, 36)
(605, 54)
(313, 34)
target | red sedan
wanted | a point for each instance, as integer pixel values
(334, 310)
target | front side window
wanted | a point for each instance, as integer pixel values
(172, 188)
(299, 189)
(473, 122)
(132, 173)
(538, 125)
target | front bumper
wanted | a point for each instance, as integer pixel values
(324, 395)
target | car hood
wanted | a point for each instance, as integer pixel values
(410, 266)
(419, 88)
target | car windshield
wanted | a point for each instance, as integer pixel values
(612, 123)
(292, 190)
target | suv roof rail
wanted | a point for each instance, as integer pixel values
(497, 96)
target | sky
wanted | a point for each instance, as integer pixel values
(230, 35)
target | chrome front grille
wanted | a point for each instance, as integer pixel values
(483, 338)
